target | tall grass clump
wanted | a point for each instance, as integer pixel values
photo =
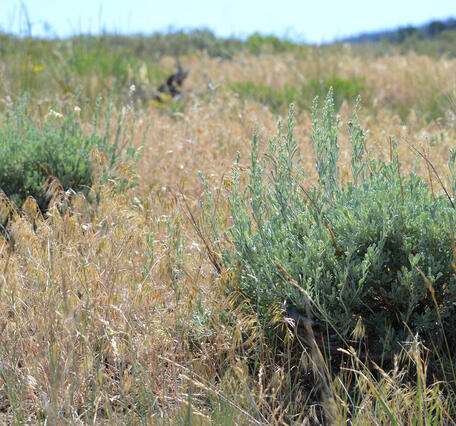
(370, 261)
(34, 152)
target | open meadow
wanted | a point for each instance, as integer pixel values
(152, 291)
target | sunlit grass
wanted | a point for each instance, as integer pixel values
(111, 308)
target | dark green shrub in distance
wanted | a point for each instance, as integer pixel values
(356, 249)
(343, 89)
(435, 107)
(274, 99)
(257, 43)
(32, 151)
(278, 99)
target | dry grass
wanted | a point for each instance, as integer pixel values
(112, 312)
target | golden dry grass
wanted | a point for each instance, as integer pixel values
(111, 314)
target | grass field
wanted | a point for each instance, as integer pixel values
(112, 311)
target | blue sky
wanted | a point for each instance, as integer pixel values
(306, 20)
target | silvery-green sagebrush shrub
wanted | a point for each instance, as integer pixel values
(356, 249)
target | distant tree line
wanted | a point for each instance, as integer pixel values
(428, 30)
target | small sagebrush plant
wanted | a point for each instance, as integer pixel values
(374, 254)
(33, 151)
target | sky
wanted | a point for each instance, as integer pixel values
(313, 21)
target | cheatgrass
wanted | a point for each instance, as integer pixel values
(113, 312)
